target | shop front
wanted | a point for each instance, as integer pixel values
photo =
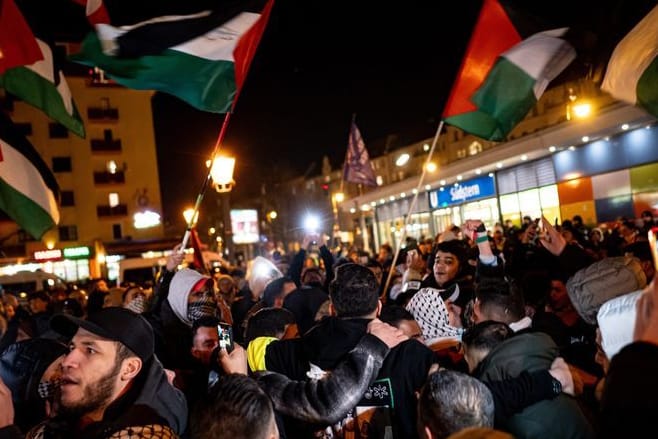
(70, 263)
(610, 178)
(390, 221)
(529, 189)
(472, 199)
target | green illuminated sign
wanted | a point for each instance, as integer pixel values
(77, 252)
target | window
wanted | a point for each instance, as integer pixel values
(25, 128)
(67, 199)
(68, 233)
(62, 164)
(57, 131)
(107, 144)
(104, 111)
(116, 231)
(113, 199)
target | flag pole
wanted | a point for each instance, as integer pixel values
(412, 205)
(206, 183)
(342, 179)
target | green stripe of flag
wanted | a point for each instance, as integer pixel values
(206, 84)
(29, 215)
(647, 91)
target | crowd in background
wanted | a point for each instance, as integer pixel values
(539, 331)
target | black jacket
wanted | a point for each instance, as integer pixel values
(150, 403)
(326, 344)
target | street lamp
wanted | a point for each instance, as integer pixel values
(190, 216)
(336, 198)
(221, 172)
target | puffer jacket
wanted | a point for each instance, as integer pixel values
(555, 418)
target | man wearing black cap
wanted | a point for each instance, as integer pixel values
(111, 383)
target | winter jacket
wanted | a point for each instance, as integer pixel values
(326, 401)
(630, 396)
(549, 419)
(404, 370)
(151, 405)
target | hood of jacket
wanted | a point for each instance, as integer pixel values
(179, 290)
(326, 344)
(168, 401)
(524, 351)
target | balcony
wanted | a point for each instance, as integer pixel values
(106, 211)
(105, 145)
(96, 114)
(109, 178)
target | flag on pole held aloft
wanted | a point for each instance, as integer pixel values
(95, 11)
(207, 71)
(504, 73)
(18, 46)
(632, 72)
(199, 263)
(358, 168)
(42, 83)
(28, 189)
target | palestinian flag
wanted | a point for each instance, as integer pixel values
(28, 190)
(17, 44)
(504, 73)
(632, 73)
(42, 83)
(95, 11)
(205, 70)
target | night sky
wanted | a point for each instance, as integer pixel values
(390, 63)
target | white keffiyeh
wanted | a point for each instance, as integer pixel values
(429, 310)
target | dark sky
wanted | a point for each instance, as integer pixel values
(390, 63)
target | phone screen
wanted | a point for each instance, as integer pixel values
(225, 332)
(653, 236)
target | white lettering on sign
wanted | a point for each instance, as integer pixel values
(47, 254)
(461, 193)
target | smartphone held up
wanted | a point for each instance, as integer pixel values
(225, 332)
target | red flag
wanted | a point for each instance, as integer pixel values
(199, 263)
(18, 47)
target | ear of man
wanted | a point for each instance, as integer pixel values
(130, 367)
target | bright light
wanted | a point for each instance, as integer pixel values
(478, 171)
(459, 177)
(112, 167)
(402, 195)
(222, 170)
(431, 167)
(339, 197)
(442, 182)
(428, 187)
(499, 165)
(625, 127)
(311, 223)
(524, 157)
(272, 214)
(188, 214)
(352, 210)
(402, 160)
(426, 147)
(113, 199)
(146, 219)
(491, 174)
(572, 148)
(585, 138)
(50, 245)
(552, 148)
(212, 231)
(414, 191)
(581, 110)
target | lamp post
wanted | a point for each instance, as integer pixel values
(221, 172)
(336, 198)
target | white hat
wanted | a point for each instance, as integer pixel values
(616, 319)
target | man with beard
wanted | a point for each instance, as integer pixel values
(111, 384)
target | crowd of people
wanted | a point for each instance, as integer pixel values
(537, 331)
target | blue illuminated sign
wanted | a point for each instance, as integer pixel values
(481, 187)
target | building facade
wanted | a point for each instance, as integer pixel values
(110, 191)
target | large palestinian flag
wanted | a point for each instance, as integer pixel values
(504, 72)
